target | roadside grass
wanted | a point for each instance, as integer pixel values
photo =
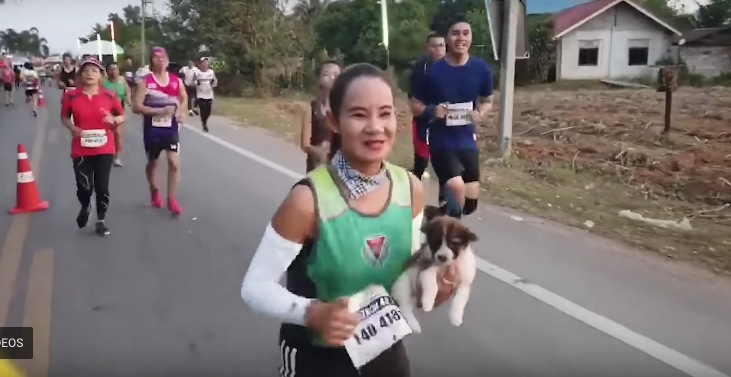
(557, 191)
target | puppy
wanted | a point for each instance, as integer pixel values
(447, 241)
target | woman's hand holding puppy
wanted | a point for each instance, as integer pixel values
(332, 321)
(446, 280)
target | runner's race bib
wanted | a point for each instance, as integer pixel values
(93, 138)
(458, 114)
(381, 325)
(162, 121)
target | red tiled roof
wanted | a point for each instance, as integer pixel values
(569, 17)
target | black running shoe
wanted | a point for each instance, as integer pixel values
(101, 229)
(205, 128)
(35, 113)
(83, 217)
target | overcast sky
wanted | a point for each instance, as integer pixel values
(62, 21)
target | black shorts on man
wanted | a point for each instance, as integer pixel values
(154, 147)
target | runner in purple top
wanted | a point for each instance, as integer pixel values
(161, 99)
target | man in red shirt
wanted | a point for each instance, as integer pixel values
(96, 112)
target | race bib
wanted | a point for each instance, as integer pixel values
(93, 138)
(162, 121)
(458, 114)
(381, 325)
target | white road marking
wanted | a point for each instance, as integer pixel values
(667, 355)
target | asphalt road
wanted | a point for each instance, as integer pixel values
(161, 295)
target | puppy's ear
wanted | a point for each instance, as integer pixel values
(470, 236)
(466, 234)
(431, 212)
(425, 226)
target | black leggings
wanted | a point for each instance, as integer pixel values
(205, 105)
(92, 176)
(190, 90)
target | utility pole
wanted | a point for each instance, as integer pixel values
(143, 14)
(507, 76)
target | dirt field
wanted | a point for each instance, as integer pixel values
(581, 157)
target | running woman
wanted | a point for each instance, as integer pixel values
(7, 75)
(161, 99)
(205, 81)
(188, 72)
(96, 114)
(32, 82)
(117, 84)
(315, 134)
(130, 73)
(17, 70)
(455, 94)
(435, 50)
(348, 225)
(67, 75)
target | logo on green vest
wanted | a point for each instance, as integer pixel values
(376, 250)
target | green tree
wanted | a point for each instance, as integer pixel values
(24, 42)
(714, 14)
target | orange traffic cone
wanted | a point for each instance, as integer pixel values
(41, 100)
(28, 199)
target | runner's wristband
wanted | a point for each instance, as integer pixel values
(430, 112)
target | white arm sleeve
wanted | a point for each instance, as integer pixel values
(417, 238)
(261, 289)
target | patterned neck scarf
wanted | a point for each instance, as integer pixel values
(357, 183)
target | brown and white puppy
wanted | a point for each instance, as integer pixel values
(446, 241)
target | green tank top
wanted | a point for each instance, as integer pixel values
(353, 250)
(116, 87)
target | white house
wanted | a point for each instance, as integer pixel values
(615, 39)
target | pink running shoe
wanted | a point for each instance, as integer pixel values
(155, 198)
(174, 207)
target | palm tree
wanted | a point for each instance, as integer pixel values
(10, 40)
(24, 42)
(309, 10)
(43, 48)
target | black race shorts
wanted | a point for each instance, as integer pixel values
(463, 163)
(31, 92)
(313, 361)
(8, 87)
(154, 148)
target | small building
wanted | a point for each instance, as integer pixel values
(707, 51)
(609, 39)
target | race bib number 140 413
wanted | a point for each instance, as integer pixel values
(381, 325)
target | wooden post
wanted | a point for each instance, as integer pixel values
(668, 80)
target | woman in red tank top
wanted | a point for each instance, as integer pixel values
(96, 114)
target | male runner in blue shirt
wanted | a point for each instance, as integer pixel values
(455, 94)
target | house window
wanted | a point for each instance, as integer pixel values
(589, 53)
(639, 52)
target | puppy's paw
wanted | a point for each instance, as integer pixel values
(427, 307)
(455, 318)
(415, 327)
